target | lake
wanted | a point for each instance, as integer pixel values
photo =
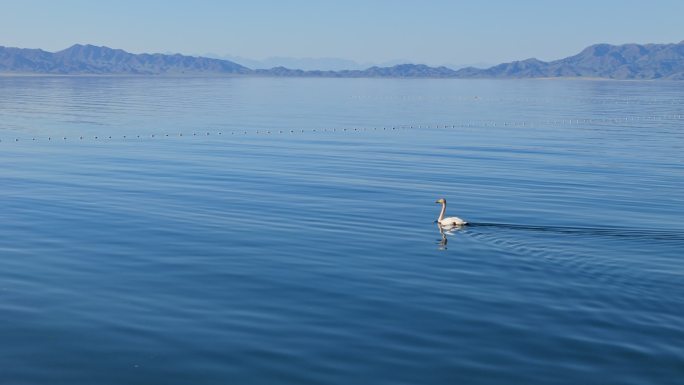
(281, 231)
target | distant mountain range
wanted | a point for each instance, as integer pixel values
(628, 61)
(89, 59)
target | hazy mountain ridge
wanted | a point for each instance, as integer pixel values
(401, 70)
(627, 61)
(324, 63)
(303, 63)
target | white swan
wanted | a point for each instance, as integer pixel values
(450, 221)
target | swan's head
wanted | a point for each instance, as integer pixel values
(441, 200)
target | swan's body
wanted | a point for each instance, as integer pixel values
(448, 221)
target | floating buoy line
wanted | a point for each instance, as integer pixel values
(539, 124)
(224, 133)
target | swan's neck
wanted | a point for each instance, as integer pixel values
(441, 213)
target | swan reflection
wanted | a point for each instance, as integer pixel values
(444, 231)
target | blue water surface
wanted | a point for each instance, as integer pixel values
(281, 231)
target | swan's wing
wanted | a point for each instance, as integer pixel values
(453, 221)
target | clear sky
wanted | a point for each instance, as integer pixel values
(431, 32)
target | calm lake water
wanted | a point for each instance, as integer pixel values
(287, 236)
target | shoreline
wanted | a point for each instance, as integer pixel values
(244, 76)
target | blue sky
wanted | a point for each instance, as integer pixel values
(432, 32)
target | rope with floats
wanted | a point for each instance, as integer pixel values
(628, 120)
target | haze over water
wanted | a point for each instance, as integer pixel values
(287, 236)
